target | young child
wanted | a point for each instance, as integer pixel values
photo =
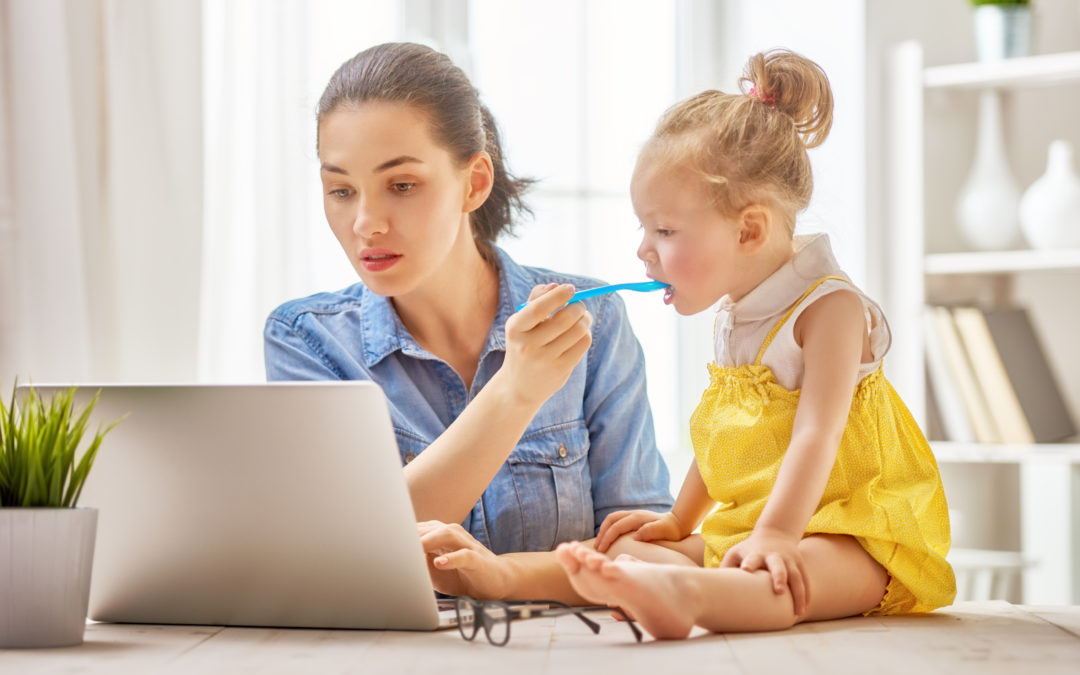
(830, 501)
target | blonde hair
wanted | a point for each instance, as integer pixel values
(751, 147)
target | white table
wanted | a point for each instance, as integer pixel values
(990, 637)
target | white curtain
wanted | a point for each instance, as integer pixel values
(102, 154)
(258, 162)
(265, 65)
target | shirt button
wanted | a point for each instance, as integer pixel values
(562, 450)
(409, 457)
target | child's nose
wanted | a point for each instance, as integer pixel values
(644, 251)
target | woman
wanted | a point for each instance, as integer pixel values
(528, 428)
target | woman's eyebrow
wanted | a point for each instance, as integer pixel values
(388, 164)
(391, 163)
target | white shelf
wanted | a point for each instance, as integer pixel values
(982, 453)
(1029, 71)
(1001, 262)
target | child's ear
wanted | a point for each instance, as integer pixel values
(481, 175)
(755, 223)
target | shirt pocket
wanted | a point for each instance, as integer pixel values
(409, 444)
(550, 470)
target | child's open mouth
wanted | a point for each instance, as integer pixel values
(668, 293)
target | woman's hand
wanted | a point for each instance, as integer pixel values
(646, 526)
(544, 343)
(459, 564)
(777, 553)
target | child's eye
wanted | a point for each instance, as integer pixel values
(664, 232)
(402, 188)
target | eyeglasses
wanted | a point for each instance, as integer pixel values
(495, 616)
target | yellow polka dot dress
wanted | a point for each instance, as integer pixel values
(884, 490)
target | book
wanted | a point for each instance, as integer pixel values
(959, 369)
(989, 370)
(935, 426)
(1031, 374)
(955, 424)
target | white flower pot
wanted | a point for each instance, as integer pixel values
(45, 561)
(1002, 31)
(1050, 208)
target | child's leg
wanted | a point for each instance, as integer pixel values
(668, 600)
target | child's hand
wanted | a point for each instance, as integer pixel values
(778, 554)
(646, 526)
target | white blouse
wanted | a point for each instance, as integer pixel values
(741, 327)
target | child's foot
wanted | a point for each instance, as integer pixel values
(648, 592)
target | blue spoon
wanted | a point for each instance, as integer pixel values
(642, 286)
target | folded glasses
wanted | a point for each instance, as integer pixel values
(495, 616)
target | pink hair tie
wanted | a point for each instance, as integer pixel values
(769, 100)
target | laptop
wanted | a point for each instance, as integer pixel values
(278, 504)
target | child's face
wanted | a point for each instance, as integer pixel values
(394, 197)
(686, 242)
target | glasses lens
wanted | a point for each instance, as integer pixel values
(466, 617)
(497, 623)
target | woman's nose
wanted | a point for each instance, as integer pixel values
(370, 219)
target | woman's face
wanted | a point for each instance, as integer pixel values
(395, 199)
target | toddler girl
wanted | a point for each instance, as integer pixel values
(830, 501)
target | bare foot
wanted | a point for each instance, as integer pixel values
(655, 595)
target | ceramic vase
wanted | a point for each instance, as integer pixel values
(1002, 31)
(1050, 207)
(986, 209)
(45, 560)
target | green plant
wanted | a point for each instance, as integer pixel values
(38, 440)
(999, 2)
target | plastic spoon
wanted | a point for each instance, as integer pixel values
(642, 286)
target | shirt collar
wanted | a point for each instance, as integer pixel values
(813, 259)
(384, 333)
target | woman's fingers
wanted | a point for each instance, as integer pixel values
(542, 304)
(441, 538)
(461, 559)
(537, 291)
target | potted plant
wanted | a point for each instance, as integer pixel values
(1002, 29)
(46, 542)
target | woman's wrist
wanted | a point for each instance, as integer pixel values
(503, 387)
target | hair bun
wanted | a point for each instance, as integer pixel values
(794, 85)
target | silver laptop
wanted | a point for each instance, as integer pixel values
(255, 505)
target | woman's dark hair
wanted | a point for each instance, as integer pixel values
(419, 76)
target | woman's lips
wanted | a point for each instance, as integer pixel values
(377, 259)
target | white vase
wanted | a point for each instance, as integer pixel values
(45, 560)
(1050, 207)
(986, 209)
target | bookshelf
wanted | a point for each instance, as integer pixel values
(1046, 510)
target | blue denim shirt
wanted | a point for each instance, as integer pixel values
(590, 450)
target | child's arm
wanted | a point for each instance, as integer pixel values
(691, 507)
(832, 332)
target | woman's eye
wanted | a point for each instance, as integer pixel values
(340, 193)
(402, 188)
